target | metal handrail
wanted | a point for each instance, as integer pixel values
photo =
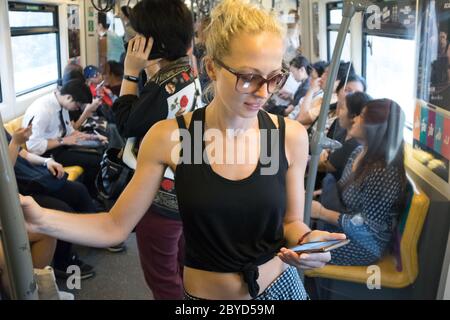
(13, 234)
(317, 141)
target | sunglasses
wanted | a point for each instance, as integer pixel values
(250, 83)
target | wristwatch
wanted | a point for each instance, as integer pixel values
(131, 78)
(60, 140)
(46, 161)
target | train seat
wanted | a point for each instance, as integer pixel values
(395, 272)
(74, 172)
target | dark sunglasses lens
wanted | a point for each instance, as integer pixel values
(277, 82)
(248, 83)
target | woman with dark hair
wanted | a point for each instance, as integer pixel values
(351, 100)
(312, 102)
(300, 70)
(318, 68)
(165, 32)
(372, 186)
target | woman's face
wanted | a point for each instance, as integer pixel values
(259, 54)
(314, 75)
(344, 120)
(357, 129)
(298, 74)
(350, 87)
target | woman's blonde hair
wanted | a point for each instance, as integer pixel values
(234, 17)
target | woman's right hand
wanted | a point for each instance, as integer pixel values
(137, 55)
(32, 212)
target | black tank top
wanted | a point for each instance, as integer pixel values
(233, 226)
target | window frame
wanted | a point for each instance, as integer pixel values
(29, 31)
(392, 33)
(330, 6)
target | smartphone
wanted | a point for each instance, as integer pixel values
(157, 51)
(31, 121)
(101, 84)
(319, 246)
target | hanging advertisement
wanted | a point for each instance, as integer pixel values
(432, 115)
(434, 53)
(73, 21)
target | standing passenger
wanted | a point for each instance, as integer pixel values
(237, 217)
(171, 90)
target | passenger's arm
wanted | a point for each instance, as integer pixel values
(106, 229)
(135, 61)
(13, 152)
(306, 105)
(18, 138)
(88, 112)
(324, 164)
(318, 211)
(297, 154)
(294, 227)
(288, 110)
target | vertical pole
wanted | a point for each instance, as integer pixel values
(347, 14)
(13, 234)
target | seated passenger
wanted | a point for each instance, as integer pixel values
(79, 117)
(94, 79)
(300, 70)
(349, 105)
(44, 179)
(53, 134)
(366, 202)
(312, 102)
(113, 75)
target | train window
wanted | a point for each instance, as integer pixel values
(34, 29)
(18, 19)
(390, 74)
(334, 18)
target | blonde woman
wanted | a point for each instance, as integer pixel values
(239, 218)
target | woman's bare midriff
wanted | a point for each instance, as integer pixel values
(229, 286)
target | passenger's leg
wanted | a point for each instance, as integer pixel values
(159, 246)
(90, 161)
(5, 287)
(42, 249)
(76, 196)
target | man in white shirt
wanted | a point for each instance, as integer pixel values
(53, 134)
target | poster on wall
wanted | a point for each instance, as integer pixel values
(73, 20)
(434, 53)
(432, 139)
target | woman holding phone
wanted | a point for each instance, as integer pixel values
(371, 188)
(237, 229)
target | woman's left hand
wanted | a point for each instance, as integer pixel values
(307, 261)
